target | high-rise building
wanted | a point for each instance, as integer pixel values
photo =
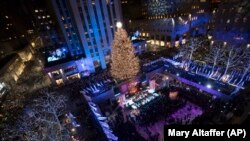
(13, 25)
(88, 27)
(44, 25)
(43, 31)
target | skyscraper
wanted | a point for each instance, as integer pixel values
(88, 27)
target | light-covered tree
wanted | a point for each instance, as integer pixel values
(187, 50)
(40, 120)
(245, 66)
(215, 55)
(124, 63)
(232, 57)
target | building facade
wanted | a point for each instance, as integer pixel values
(44, 25)
(12, 67)
(168, 22)
(88, 27)
(230, 21)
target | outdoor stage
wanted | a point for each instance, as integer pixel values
(139, 99)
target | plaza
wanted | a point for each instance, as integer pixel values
(122, 70)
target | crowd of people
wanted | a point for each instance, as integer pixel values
(214, 108)
(204, 107)
(160, 107)
(89, 129)
(122, 128)
(216, 85)
(98, 86)
(92, 85)
(185, 115)
(171, 111)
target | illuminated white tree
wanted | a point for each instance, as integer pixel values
(40, 121)
(188, 49)
(124, 63)
(245, 66)
(232, 57)
(215, 55)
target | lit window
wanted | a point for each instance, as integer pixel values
(48, 16)
(39, 17)
(44, 17)
(6, 17)
(36, 10)
(162, 43)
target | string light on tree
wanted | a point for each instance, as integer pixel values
(124, 63)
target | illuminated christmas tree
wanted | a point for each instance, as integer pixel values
(124, 65)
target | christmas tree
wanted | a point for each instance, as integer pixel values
(124, 65)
